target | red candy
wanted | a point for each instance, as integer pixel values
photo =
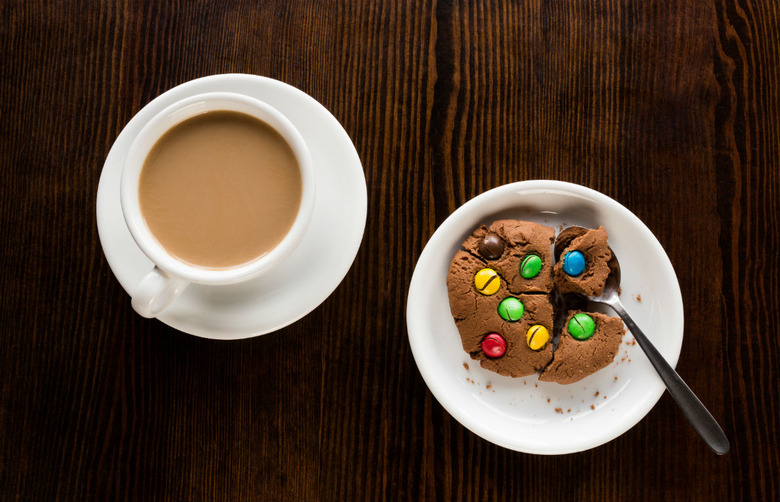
(494, 345)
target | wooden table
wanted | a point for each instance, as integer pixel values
(671, 108)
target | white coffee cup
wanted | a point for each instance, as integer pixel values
(170, 276)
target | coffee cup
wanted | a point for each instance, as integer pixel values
(216, 189)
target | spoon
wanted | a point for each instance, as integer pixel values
(693, 409)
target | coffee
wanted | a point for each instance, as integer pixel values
(220, 189)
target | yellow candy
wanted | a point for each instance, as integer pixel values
(487, 281)
(537, 337)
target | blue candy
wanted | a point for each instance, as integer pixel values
(574, 263)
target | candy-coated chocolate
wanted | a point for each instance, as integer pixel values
(530, 266)
(491, 246)
(487, 281)
(582, 326)
(494, 345)
(537, 337)
(511, 309)
(574, 263)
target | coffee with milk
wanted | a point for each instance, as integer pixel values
(220, 189)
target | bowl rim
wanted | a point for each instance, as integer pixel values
(469, 215)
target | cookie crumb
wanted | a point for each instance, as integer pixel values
(592, 406)
(559, 410)
(466, 365)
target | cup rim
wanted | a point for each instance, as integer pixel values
(175, 114)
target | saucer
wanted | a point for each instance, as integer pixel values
(526, 414)
(308, 276)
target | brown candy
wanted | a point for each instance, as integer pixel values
(491, 246)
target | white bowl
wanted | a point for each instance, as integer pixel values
(525, 414)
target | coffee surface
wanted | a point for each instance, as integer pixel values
(220, 189)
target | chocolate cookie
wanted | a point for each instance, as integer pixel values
(500, 289)
(495, 301)
(588, 343)
(504, 246)
(582, 266)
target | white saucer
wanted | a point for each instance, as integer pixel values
(526, 414)
(308, 276)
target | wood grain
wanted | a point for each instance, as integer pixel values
(671, 108)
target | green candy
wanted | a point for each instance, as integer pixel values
(530, 266)
(511, 309)
(582, 326)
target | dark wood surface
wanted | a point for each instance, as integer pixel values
(671, 108)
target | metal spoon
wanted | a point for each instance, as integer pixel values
(695, 412)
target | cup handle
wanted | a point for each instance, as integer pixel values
(156, 292)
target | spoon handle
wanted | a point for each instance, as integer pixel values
(698, 416)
